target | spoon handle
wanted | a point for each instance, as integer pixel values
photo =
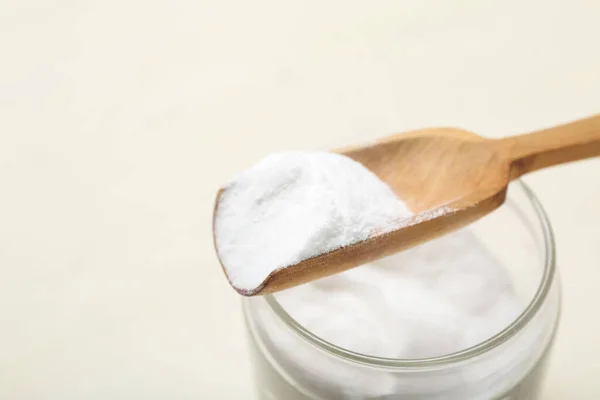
(564, 143)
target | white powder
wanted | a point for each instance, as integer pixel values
(432, 300)
(292, 206)
(435, 299)
(441, 297)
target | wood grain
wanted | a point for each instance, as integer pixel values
(570, 142)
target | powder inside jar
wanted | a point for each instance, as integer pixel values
(439, 298)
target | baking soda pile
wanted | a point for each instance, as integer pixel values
(292, 206)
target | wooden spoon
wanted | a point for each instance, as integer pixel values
(449, 178)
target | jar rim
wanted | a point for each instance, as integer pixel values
(508, 332)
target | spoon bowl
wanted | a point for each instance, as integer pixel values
(464, 163)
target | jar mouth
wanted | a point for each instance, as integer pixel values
(382, 362)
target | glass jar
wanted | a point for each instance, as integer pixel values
(292, 363)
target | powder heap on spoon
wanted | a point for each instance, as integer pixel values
(296, 205)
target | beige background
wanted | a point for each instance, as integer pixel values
(119, 119)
